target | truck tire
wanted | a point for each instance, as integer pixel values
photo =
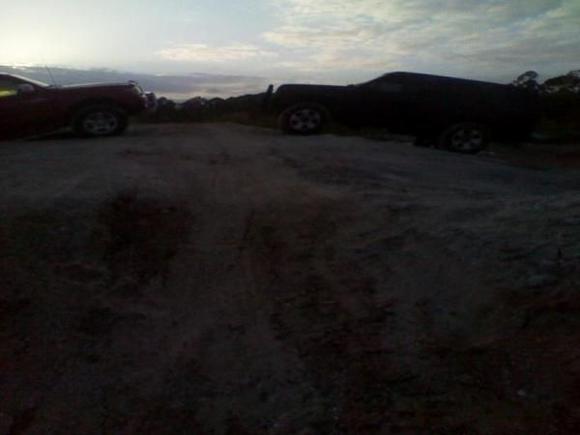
(303, 119)
(100, 121)
(465, 138)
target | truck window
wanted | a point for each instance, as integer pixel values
(8, 88)
(390, 87)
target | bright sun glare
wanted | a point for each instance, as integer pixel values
(21, 50)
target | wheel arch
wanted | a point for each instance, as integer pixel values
(77, 108)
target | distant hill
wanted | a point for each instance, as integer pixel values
(178, 87)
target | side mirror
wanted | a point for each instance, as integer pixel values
(26, 89)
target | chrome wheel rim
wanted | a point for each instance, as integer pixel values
(305, 120)
(467, 139)
(100, 123)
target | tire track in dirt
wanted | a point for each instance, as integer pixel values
(227, 336)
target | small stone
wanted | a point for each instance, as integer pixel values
(572, 221)
(5, 422)
(542, 281)
(548, 266)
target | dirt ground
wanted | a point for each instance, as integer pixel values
(220, 279)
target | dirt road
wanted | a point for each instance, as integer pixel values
(220, 279)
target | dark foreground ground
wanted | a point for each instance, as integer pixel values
(219, 279)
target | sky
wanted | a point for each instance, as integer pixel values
(329, 41)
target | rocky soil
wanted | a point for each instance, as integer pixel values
(219, 279)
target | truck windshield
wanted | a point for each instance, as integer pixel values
(376, 79)
(32, 81)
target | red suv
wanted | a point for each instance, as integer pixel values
(29, 107)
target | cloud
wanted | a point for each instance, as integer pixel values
(477, 37)
(205, 53)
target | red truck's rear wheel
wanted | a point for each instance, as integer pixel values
(100, 120)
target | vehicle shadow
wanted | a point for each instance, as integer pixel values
(61, 135)
(65, 135)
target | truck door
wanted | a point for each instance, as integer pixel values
(381, 102)
(23, 113)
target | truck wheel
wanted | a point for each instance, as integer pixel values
(303, 119)
(100, 121)
(466, 138)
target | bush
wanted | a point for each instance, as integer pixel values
(244, 109)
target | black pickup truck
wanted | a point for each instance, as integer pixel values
(451, 113)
